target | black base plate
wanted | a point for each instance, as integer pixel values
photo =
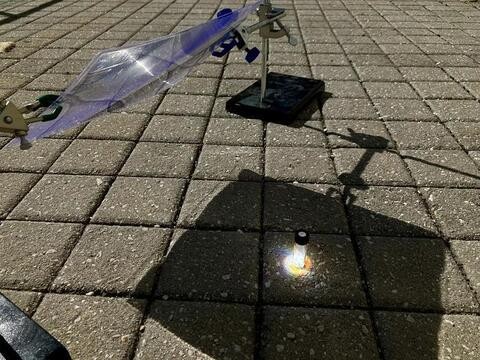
(286, 97)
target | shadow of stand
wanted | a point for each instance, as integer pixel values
(206, 288)
(355, 176)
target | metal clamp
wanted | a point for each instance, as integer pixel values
(14, 120)
(269, 16)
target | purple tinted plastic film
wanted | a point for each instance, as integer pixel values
(122, 76)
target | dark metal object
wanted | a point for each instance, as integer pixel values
(21, 338)
(285, 98)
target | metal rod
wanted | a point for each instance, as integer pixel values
(263, 80)
(252, 28)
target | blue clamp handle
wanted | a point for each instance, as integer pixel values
(225, 46)
(229, 41)
(232, 40)
(252, 54)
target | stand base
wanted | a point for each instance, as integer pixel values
(286, 97)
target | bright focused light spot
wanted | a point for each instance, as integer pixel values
(292, 267)
(299, 255)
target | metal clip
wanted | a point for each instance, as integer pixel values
(15, 121)
(269, 16)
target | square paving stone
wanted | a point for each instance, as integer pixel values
(424, 74)
(194, 105)
(464, 73)
(299, 164)
(196, 330)
(92, 157)
(148, 201)
(334, 72)
(31, 264)
(115, 126)
(219, 110)
(440, 90)
(207, 70)
(222, 204)
(160, 160)
(370, 166)
(412, 336)
(344, 89)
(311, 134)
(367, 48)
(61, 198)
(328, 59)
(390, 90)
(202, 262)
(411, 60)
(403, 109)
(92, 327)
(113, 260)
(242, 71)
(14, 187)
(230, 87)
(369, 60)
(11, 81)
(378, 73)
(169, 128)
(332, 280)
(475, 155)
(473, 87)
(358, 133)
(421, 135)
(46, 82)
(301, 333)
(460, 110)
(414, 273)
(196, 86)
(349, 109)
(395, 211)
(467, 254)
(248, 132)
(302, 71)
(146, 106)
(313, 207)
(27, 301)
(400, 49)
(442, 168)
(36, 159)
(467, 134)
(219, 162)
(456, 211)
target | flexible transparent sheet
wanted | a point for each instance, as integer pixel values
(123, 76)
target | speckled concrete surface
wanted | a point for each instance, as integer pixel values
(160, 231)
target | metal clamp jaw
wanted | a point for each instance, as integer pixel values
(14, 120)
(269, 16)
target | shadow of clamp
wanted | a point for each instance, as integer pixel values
(16, 120)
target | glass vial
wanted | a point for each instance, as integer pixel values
(300, 248)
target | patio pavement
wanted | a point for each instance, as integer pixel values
(386, 179)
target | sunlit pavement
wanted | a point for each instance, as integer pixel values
(164, 231)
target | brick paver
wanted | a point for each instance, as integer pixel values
(159, 231)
